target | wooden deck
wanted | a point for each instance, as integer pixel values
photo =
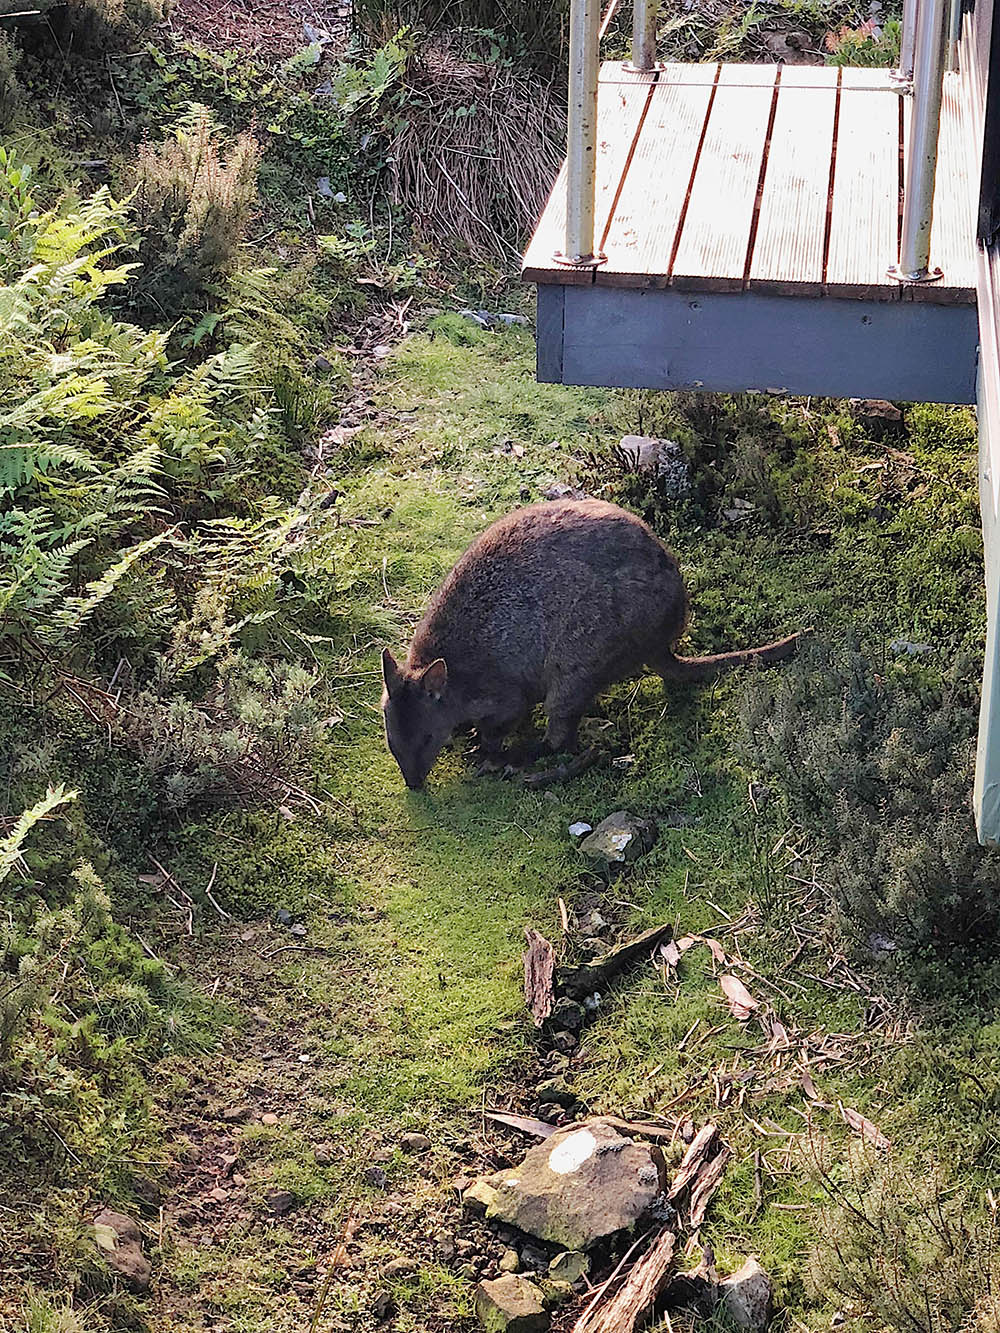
(774, 180)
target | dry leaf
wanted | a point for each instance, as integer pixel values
(685, 942)
(741, 1002)
(809, 1087)
(670, 953)
(539, 1129)
(869, 1132)
(718, 953)
(780, 1040)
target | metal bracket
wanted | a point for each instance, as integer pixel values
(912, 279)
(657, 67)
(587, 261)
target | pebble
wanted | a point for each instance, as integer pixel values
(415, 1143)
(218, 1195)
(323, 1154)
(399, 1268)
(382, 1306)
(510, 1262)
(283, 917)
(233, 1115)
(281, 1202)
(269, 1118)
(374, 1177)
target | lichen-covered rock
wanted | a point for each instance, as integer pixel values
(570, 1266)
(511, 1304)
(579, 1186)
(618, 840)
(662, 459)
(746, 1297)
(479, 1196)
(120, 1242)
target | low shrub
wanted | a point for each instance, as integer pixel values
(875, 759)
(195, 194)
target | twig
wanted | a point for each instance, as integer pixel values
(208, 894)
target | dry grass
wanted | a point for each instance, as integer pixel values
(475, 160)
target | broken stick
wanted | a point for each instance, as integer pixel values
(633, 1302)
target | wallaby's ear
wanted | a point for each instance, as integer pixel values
(435, 677)
(390, 672)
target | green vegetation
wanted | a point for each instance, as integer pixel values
(245, 432)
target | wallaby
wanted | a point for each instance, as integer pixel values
(550, 605)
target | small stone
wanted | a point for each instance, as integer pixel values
(560, 491)
(556, 1293)
(511, 1304)
(235, 1115)
(447, 1246)
(549, 1111)
(464, 1247)
(383, 1306)
(374, 1177)
(565, 1042)
(534, 1257)
(618, 840)
(747, 1297)
(397, 1268)
(567, 1016)
(510, 1261)
(239, 1181)
(298, 930)
(468, 1271)
(555, 1090)
(269, 1118)
(281, 1202)
(479, 1196)
(570, 1266)
(219, 1195)
(415, 1143)
(662, 459)
(283, 917)
(120, 1242)
(580, 829)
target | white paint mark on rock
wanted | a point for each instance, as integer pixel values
(572, 1152)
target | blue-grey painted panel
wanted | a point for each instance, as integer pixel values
(730, 342)
(549, 336)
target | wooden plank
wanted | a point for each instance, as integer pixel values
(953, 230)
(864, 220)
(791, 229)
(643, 226)
(621, 98)
(715, 234)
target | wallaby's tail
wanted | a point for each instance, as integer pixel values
(705, 668)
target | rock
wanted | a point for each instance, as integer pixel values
(619, 839)
(662, 459)
(298, 930)
(904, 648)
(374, 1177)
(218, 1195)
(746, 1297)
(534, 1257)
(518, 320)
(555, 1090)
(269, 1118)
(877, 412)
(120, 1242)
(235, 1115)
(280, 1202)
(511, 1304)
(479, 1196)
(324, 1154)
(283, 917)
(556, 1293)
(447, 1246)
(560, 491)
(579, 1186)
(565, 1042)
(567, 1016)
(382, 1306)
(570, 1266)
(793, 47)
(510, 1261)
(580, 829)
(396, 1268)
(415, 1143)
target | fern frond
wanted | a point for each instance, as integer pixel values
(10, 846)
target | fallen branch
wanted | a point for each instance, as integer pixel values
(634, 1300)
(539, 974)
(708, 1181)
(580, 981)
(693, 1160)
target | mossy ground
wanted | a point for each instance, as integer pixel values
(400, 1008)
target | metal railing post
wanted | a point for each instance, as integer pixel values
(581, 132)
(922, 146)
(644, 35)
(907, 42)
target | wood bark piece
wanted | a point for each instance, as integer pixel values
(539, 976)
(633, 1302)
(580, 981)
(524, 1124)
(861, 1125)
(702, 1146)
(708, 1181)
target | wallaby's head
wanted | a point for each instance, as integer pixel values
(418, 715)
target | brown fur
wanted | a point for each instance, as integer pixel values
(550, 605)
